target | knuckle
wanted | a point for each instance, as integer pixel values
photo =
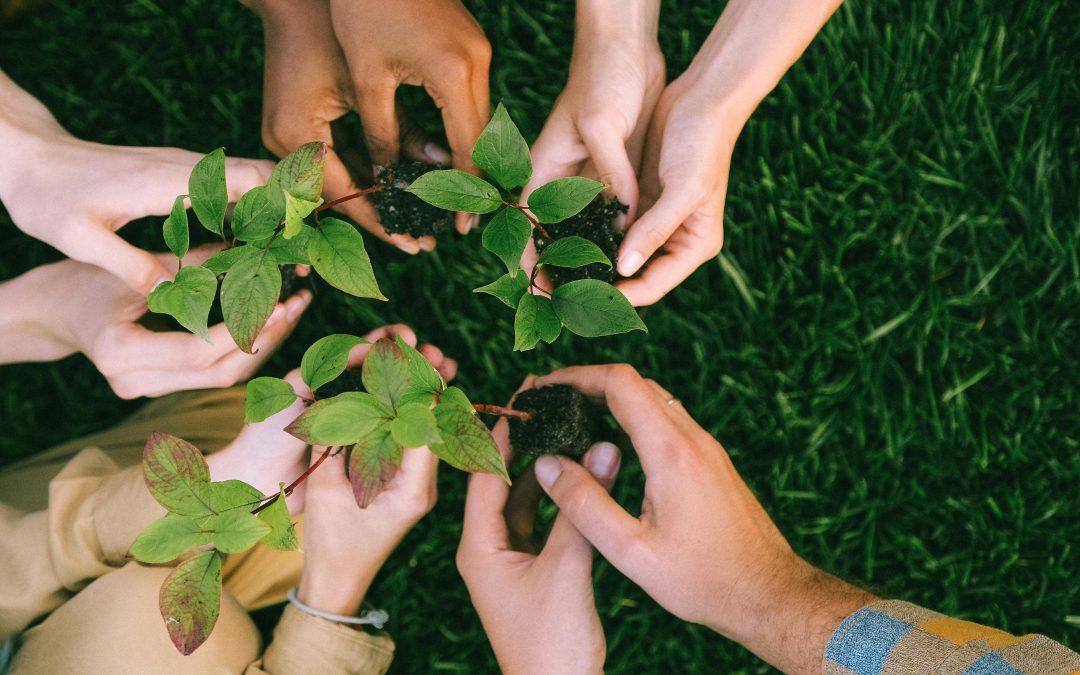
(656, 237)
(479, 49)
(457, 66)
(623, 374)
(123, 388)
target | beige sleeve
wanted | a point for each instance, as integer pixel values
(307, 644)
(95, 512)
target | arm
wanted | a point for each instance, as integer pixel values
(707, 551)
(692, 135)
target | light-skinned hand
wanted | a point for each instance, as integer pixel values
(536, 605)
(703, 547)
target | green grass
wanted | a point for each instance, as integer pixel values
(887, 346)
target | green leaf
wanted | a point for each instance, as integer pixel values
(190, 599)
(506, 236)
(455, 190)
(414, 426)
(254, 216)
(187, 299)
(572, 252)
(207, 191)
(509, 288)
(454, 397)
(236, 531)
(337, 252)
(422, 375)
(168, 538)
(424, 398)
(340, 420)
(227, 495)
(502, 152)
(176, 475)
(466, 443)
(282, 531)
(222, 261)
(562, 198)
(373, 462)
(301, 173)
(386, 372)
(593, 308)
(248, 296)
(295, 212)
(535, 320)
(267, 396)
(292, 251)
(327, 358)
(175, 229)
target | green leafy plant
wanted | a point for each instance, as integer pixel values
(406, 404)
(272, 225)
(587, 307)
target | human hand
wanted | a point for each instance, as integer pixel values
(67, 307)
(536, 606)
(344, 545)
(683, 188)
(74, 195)
(704, 548)
(434, 43)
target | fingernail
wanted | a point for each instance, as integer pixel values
(474, 221)
(548, 470)
(602, 460)
(297, 304)
(630, 263)
(436, 154)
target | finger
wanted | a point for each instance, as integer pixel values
(607, 150)
(635, 405)
(418, 475)
(242, 175)
(138, 269)
(654, 227)
(602, 461)
(463, 126)
(484, 525)
(586, 504)
(664, 273)
(557, 153)
(520, 510)
(446, 366)
(378, 116)
(359, 352)
(339, 183)
(415, 144)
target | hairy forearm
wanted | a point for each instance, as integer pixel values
(27, 332)
(751, 47)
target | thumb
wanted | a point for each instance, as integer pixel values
(139, 269)
(602, 461)
(653, 228)
(607, 149)
(588, 506)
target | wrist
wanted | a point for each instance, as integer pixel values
(29, 330)
(637, 20)
(332, 589)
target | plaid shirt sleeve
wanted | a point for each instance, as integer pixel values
(897, 638)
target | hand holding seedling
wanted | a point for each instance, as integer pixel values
(362, 53)
(70, 307)
(703, 547)
(535, 602)
(74, 195)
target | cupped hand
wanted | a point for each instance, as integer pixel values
(537, 606)
(92, 312)
(74, 195)
(345, 545)
(364, 52)
(684, 179)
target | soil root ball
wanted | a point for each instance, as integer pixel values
(596, 222)
(402, 212)
(563, 422)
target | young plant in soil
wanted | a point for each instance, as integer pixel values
(561, 422)
(589, 307)
(405, 403)
(402, 212)
(272, 225)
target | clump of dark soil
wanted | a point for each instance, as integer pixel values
(595, 222)
(402, 212)
(350, 380)
(563, 422)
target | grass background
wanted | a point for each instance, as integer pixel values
(888, 345)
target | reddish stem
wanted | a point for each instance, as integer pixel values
(501, 411)
(533, 220)
(355, 195)
(300, 479)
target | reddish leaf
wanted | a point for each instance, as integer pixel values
(190, 599)
(176, 475)
(373, 462)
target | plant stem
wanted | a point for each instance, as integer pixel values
(533, 220)
(293, 485)
(340, 200)
(501, 411)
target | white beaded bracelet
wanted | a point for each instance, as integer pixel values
(374, 617)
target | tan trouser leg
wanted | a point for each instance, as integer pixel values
(113, 626)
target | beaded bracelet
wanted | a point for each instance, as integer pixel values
(374, 617)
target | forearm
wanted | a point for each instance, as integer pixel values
(614, 19)
(28, 321)
(751, 47)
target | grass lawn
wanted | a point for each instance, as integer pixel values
(888, 345)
